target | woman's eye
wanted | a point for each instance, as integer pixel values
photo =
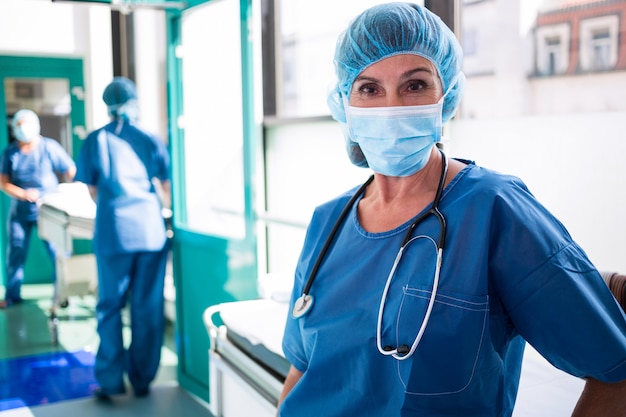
(368, 89)
(416, 85)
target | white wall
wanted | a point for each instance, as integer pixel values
(572, 163)
(603, 92)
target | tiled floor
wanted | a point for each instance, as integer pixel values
(25, 330)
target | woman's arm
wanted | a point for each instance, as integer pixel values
(19, 193)
(70, 174)
(292, 378)
(601, 399)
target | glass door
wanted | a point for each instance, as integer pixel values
(49, 98)
(53, 88)
(213, 143)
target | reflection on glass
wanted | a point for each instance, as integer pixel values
(49, 98)
(213, 131)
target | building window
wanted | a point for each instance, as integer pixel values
(552, 55)
(598, 43)
(552, 49)
(600, 50)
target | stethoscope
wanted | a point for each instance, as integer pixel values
(304, 303)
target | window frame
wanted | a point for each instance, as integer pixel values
(590, 26)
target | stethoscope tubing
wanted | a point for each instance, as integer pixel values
(304, 302)
(429, 309)
(434, 210)
(331, 236)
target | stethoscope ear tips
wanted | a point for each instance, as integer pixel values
(403, 349)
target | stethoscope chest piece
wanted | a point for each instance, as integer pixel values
(302, 305)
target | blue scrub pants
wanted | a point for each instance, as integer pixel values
(17, 250)
(138, 277)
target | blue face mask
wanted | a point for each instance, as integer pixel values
(396, 141)
(26, 132)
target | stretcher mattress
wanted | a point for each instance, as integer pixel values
(71, 210)
(256, 329)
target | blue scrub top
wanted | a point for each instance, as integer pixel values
(510, 272)
(35, 169)
(121, 163)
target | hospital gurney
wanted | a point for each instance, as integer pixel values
(247, 368)
(65, 215)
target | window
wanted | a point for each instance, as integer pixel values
(552, 49)
(600, 50)
(598, 43)
(212, 121)
(552, 55)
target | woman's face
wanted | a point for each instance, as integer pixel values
(400, 80)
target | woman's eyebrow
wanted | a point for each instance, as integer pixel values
(406, 74)
(366, 78)
(414, 71)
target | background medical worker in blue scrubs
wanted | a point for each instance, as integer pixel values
(119, 162)
(386, 339)
(30, 168)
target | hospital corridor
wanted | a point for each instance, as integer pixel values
(342, 208)
(43, 379)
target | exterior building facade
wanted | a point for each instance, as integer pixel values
(539, 58)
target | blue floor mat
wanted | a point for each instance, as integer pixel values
(46, 378)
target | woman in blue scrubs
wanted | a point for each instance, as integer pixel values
(374, 337)
(30, 168)
(119, 163)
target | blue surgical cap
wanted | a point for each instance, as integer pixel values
(120, 97)
(393, 29)
(119, 91)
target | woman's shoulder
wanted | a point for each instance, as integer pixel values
(140, 131)
(91, 136)
(50, 143)
(12, 147)
(492, 192)
(487, 180)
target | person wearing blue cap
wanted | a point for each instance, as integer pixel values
(120, 163)
(416, 292)
(29, 169)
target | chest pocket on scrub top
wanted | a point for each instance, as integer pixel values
(446, 357)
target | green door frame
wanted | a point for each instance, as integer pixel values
(39, 67)
(203, 264)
